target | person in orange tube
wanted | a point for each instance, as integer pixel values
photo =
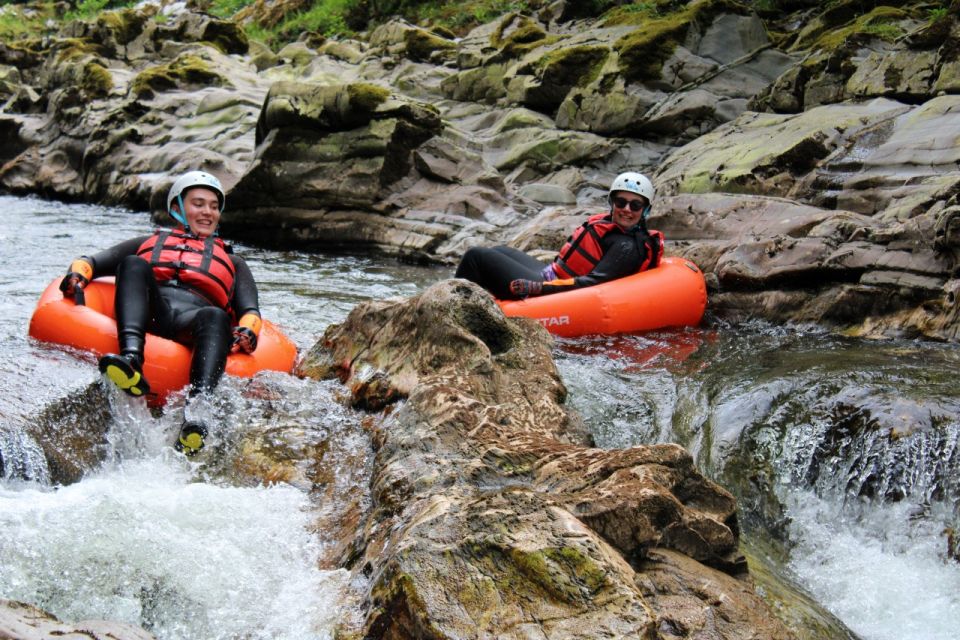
(183, 284)
(605, 247)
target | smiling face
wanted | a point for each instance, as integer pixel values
(202, 211)
(625, 216)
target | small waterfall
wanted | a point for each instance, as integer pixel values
(21, 458)
(845, 450)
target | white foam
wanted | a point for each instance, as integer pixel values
(144, 544)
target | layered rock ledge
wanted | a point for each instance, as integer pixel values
(493, 516)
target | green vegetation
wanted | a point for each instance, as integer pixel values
(327, 18)
(635, 13)
(879, 23)
(935, 15)
(90, 8)
(17, 24)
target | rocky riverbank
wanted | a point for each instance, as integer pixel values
(826, 130)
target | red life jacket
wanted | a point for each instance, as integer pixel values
(201, 265)
(582, 251)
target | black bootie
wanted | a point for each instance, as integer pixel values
(125, 371)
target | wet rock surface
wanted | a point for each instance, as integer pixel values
(482, 473)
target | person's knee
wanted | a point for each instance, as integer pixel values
(470, 263)
(133, 266)
(212, 318)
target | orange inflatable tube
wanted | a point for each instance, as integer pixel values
(672, 295)
(166, 363)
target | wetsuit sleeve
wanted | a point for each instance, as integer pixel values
(620, 258)
(245, 296)
(105, 263)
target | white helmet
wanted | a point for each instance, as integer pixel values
(634, 183)
(187, 181)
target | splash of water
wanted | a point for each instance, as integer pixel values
(143, 543)
(881, 568)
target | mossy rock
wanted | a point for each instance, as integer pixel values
(849, 24)
(879, 23)
(421, 45)
(573, 66)
(70, 49)
(366, 97)
(517, 34)
(23, 54)
(229, 39)
(186, 70)
(95, 80)
(443, 32)
(643, 52)
(125, 25)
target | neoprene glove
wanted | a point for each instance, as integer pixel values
(246, 332)
(525, 288)
(78, 275)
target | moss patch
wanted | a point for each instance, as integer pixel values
(421, 44)
(69, 49)
(125, 24)
(367, 97)
(95, 80)
(573, 66)
(643, 52)
(517, 34)
(185, 70)
(879, 23)
(564, 573)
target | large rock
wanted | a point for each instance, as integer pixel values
(858, 274)
(326, 158)
(856, 51)
(131, 102)
(483, 474)
(769, 154)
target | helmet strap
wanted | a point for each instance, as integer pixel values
(179, 216)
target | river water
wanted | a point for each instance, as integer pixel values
(842, 450)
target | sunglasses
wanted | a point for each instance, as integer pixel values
(635, 205)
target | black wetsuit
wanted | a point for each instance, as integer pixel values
(494, 268)
(164, 309)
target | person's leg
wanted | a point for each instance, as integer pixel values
(493, 269)
(136, 301)
(520, 257)
(212, 335)
(208, 330)
(136, 289)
